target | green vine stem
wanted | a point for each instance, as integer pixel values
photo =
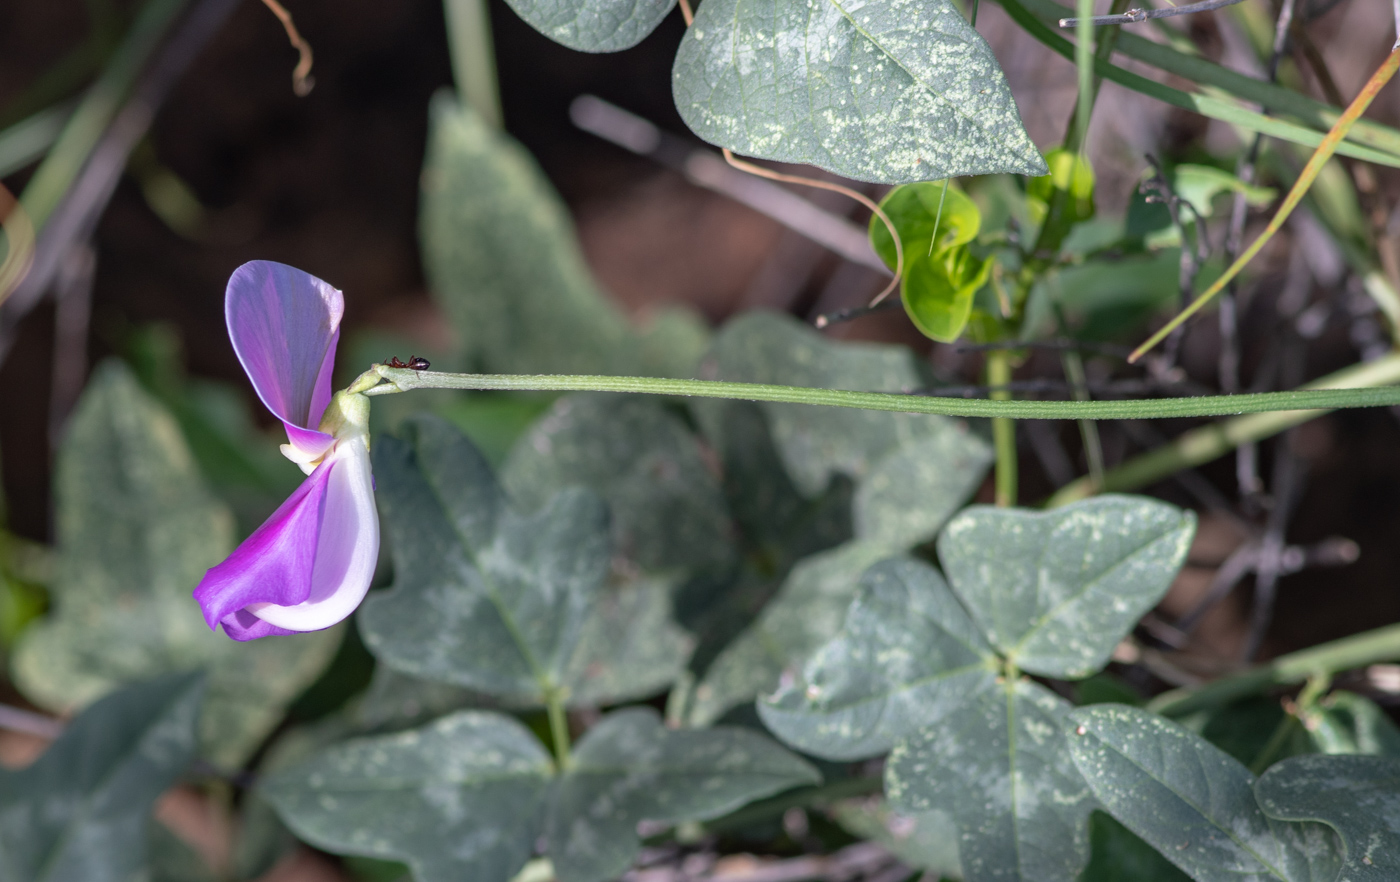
(1364, 386)
(1206, 443)
(1368, 648)
(558, 726)
(474, 57)
(1003, 428)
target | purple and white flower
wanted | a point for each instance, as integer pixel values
(309, 565)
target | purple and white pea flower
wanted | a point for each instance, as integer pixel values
(309, 565)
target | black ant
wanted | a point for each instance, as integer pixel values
(414, 363)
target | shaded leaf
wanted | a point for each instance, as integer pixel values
(1358, 796)
(668, 511)
(500, 254)
(999, 767)
(1191, 801)
(1117, 855)
(807, 611)
(629, 647)
(80, 813)
(630, 768)
(482, 597)
(887, 91)
(906, 658)
(925, 840)
(1345, 722)
(460, 799)
(1054, 592)
(136, 531)
(901, 506)
(594, 25)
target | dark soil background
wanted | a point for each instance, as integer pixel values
(328, 183)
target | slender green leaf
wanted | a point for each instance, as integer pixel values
(501, 257)
(630, 768)
(1054, 592)
(1191, 801)
(998, 765)
(886, 91)
(136, 531)
(462, 798)
(594, 25)
(80, 812)
(907, 656)
(1358, 796)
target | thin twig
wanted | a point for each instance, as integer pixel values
(858, 196)
(855, 312)
(302, 81)
(689, 15)
(19, 243)
(1133, 16)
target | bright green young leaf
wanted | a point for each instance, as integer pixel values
(1200, 184)
(668, 509)
(907, 657)
(888, 91)
(1054, 592)
(998, 765)
(462, 798)
(1070, 172)
(1191, 801)
(1101, 299)
(1358, 796)
(915, 209)
(500, 254)
(629, 768)
(938, 292)
(1345, 722)
(80, 812)
(483, 597)
(594, 25)
(807, 611)
(136, 531)
(898, 508)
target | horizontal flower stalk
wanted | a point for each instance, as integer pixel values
(403, 380)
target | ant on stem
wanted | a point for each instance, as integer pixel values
(414, 363)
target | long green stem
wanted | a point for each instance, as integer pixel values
(1202, 445)
(1003, 428)
(1371, 647)
(474, 57)
(1360, 392)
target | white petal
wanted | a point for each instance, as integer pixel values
(347, 550)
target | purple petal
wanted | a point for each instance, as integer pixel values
(284, 325)
(243, 626)
(347, 548)
(275, 564)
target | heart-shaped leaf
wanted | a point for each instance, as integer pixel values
(483, 597)
(462, 798)
(907, 656)
(998, 765)
(1191, 801)
(630, 768)
(594, 25)
(81, 811)
(877, 91)
(1359, 796)
(932, 217)
(1054, 592)
(502, 259)
(136, 531)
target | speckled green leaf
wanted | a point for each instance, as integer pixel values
(461, 798)
(912, 471)
(1055, 591)
(1191, 801)
(594, 25)
(395, 701)
(501, 258)
(630, 646)
(80, 812)
(999, 766)
(668, 510)
(136, 530)
(482, 597)
(630, 768)
(1345, 722)
(907, 656)
(883, 90)
(807, 611)
(1359, 796)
